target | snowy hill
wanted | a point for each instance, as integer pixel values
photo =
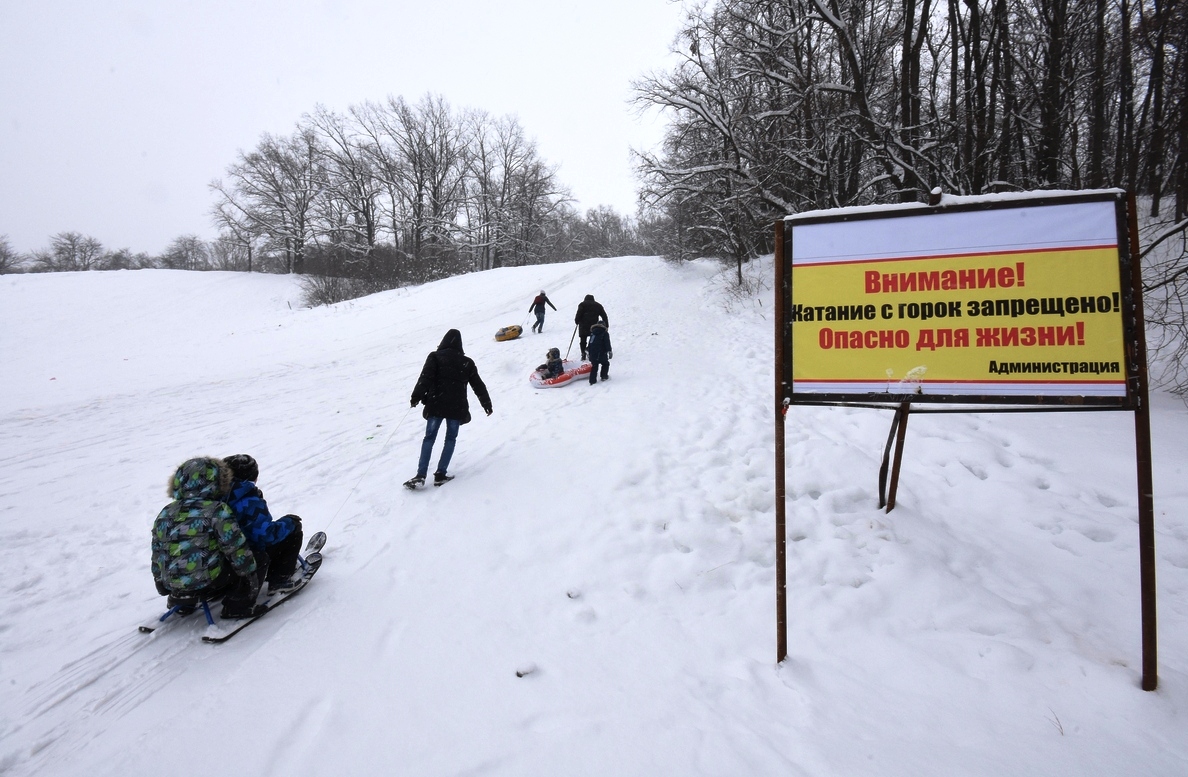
(616, 540)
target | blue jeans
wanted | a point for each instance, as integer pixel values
(539, 325)
(431, 427)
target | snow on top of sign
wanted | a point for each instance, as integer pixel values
(949, 200)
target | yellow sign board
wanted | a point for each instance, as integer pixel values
(1007, 302)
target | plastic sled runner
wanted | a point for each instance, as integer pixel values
(509, 333)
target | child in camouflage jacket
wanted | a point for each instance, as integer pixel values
(198, 549)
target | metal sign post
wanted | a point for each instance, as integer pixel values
(782, 389)
(1142, 448)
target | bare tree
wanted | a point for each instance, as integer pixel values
(497, 150)
(122, 259)
(228, 252)
(9, 259)
(68, 252)
(513, 202)
(237, 227)
(187, 252)
(350, 208)
(271, 192)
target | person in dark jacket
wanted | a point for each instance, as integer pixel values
(442, 387)
(275, 543)
(538, 307)
(588, 312)
(600, 352)
(554, 366)
(198, 550)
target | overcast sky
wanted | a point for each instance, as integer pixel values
(116, 114)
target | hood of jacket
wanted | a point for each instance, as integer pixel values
(452, 340)
(589, 298)
(201, 478)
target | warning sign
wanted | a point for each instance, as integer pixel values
(1011, 301)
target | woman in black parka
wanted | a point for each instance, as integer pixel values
(442, 387)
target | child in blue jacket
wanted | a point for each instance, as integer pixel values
(599, 351)
(279, 541)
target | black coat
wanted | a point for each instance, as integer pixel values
(599, 348)
(588, 313)
(443, 381)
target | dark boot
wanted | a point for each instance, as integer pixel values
(283, 559)
(241, 601)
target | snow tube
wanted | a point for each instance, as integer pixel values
(539, 379)
(509, 333)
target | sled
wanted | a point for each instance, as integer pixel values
(539, 378)
(509, 333)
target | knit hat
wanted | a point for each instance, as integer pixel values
(243, 467)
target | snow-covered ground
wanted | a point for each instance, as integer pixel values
(616, 539)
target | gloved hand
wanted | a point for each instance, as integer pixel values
(161, 589)
(489, 410)
(610, 354)
(296, 521)
(414, 402)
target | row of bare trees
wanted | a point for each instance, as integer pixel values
(392, 192)
(384, 194)
(781, 106)
(75, 252)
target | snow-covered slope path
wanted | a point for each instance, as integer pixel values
(616, 540)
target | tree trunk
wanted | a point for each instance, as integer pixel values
(1155, 153)
(1095, 177)
(1052, 94)
(1126, 160)
(909, 68)
(1181, 174)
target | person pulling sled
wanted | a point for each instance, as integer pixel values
(538, 307)
(588, 313)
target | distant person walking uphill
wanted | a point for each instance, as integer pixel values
(442, 387)
(588, 313)
(538, 307)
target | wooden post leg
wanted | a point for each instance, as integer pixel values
(903, 411)
(886, 465)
